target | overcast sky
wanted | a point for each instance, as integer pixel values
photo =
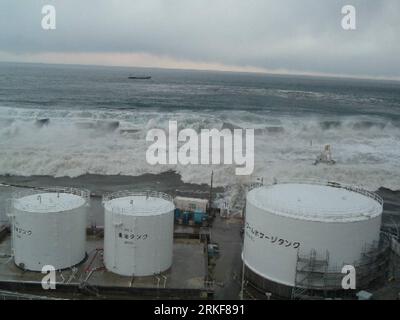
(284, 36)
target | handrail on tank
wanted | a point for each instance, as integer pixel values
(328, 183)
(328, 214)
(127, 193)
(83, 193)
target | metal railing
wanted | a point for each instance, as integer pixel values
(126, 193)
(18, 195)
(328, 214)
(83, 193)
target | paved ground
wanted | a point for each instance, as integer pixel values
(227, 270)
(188, 257)
(188, 270)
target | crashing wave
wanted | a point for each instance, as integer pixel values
(366, 149)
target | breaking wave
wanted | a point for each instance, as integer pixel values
(110, 142)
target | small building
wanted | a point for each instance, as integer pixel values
(191, 204)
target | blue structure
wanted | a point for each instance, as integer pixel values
(199, 217)
(177, 214)
(186, 217)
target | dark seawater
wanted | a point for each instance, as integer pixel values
(88, 87)
(98, 119)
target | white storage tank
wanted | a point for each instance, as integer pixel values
(49, 228)
(287, 219)
(138, 235)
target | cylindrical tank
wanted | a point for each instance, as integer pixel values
(49, 228)
(138, 235)
(286, 220)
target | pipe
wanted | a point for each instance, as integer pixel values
(88, 268)
(165, 280)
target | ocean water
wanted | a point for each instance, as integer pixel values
(98, 121)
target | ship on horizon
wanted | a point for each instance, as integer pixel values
(139, 77)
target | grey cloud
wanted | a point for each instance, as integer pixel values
(305, 36)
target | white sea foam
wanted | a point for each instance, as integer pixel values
(366, 149)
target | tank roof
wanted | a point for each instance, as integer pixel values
(316, 202)
(139, 205)
(50, 202)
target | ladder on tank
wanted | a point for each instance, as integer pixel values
(311, 274)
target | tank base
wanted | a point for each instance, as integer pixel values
(266, 288)
(66, 268)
